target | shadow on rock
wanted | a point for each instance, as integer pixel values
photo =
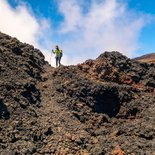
(31, 93)
(4, 113)
(108, 103)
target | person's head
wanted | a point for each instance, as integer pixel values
(57, 47)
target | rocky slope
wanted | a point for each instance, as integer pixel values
(149, 58)
(103, 106)
(20, 69)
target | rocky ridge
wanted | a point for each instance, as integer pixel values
(149, 58)
(103, 106)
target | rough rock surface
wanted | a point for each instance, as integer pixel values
(103, 106)
(20, 69)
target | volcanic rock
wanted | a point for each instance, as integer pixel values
(102, 106)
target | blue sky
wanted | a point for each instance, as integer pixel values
(147, 37)
(83, 28)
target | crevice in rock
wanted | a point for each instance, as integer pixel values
(4, 113)
(107, 103)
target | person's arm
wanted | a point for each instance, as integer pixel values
(53, 51)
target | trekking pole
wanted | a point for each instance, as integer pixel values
(50, 58)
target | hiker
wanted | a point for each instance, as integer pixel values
(58, 55)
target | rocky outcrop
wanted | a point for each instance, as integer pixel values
(111, 96)
(103, 106)
(21, 66)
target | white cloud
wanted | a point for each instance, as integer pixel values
(67, 8)
(108, 25)
(87, 30)
(18, 22)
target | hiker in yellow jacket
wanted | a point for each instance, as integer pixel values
(58, 55)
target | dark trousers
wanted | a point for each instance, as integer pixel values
(58, 61)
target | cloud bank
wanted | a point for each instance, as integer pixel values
(18, 22)
(87, 28)
(107, 25)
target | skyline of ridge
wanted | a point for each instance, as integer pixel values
(83, 29)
